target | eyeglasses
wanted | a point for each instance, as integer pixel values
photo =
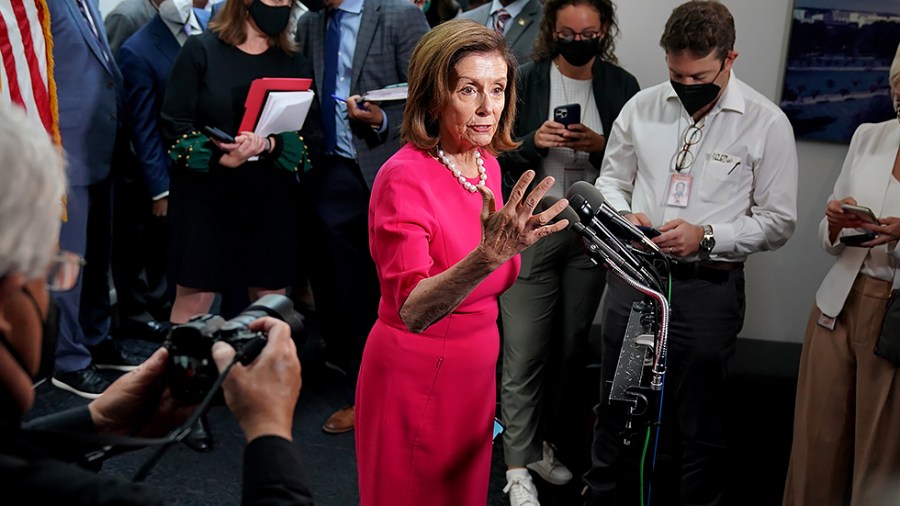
(62, 274)
(567, 35)
(684, 158)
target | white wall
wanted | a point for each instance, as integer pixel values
(780, 285)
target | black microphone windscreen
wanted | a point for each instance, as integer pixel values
(546, 203)
(569, 214)
(588, 191)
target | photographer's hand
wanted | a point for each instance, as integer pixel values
(263, 395)
(139, 403)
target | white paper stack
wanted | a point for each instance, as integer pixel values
(284, 111)
(392, 92)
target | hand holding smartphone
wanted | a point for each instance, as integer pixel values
(650, 232)
(569, 114)
(218, 135)
(858, 239)
(864, 213)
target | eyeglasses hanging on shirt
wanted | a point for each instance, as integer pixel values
(684, 158)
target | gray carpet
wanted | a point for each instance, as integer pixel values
(761, 407)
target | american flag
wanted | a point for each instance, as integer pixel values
(26, 61)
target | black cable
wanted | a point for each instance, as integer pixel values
(179, 433)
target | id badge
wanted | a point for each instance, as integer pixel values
(679, 190)
(826, 321)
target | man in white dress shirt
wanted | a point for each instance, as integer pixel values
(712, 165)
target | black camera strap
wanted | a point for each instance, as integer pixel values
(110, 445)
(181, 432)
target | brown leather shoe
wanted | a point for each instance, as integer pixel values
(340, 421)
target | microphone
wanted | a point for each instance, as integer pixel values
(597, 247)
(567, 213)
(589, 219)
(606, 214)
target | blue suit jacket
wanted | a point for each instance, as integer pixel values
(89, 91)
(146, 60)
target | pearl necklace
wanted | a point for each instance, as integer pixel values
(482, 175)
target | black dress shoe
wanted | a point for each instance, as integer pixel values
(107, 355)
(200, 438)
(148, 331)
(87, 383)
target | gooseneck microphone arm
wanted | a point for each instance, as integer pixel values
(601, 252)
(645, 274)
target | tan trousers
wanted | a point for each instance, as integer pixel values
(847, 415)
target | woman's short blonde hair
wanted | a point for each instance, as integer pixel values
(895, 70)
(430, 69)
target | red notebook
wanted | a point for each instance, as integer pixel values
(259, 90)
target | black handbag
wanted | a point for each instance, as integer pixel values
(888, 346)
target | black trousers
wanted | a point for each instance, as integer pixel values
(706, 318)
(338, 263)
(139, 245)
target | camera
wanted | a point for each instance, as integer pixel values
(192, 372)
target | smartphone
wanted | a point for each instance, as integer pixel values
(567, 114)
(499, 429)
(218, 135)
(650, 232)
(858, 239)
(863, 212)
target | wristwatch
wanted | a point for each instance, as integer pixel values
(709, 239)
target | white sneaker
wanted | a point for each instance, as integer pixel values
(550, 469)
(521, 489)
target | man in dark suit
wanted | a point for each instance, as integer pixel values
(519, 20)
(89, 93)
(355, 46)
(142, 182)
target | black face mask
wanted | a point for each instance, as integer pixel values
(697, 96)
(578, 52)
(271, 20)
(49, 339)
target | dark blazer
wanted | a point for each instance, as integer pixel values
(146, 60)
(388, 32)
(88, 86)
(524, 29)
(613, 86)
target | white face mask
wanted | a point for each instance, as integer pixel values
(176, 11)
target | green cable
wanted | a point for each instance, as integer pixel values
(647, 438)
(643, 459)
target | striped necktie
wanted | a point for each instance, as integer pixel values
(500, 21)
(87, 17)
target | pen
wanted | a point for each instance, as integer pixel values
(732, 169)
(359, 102)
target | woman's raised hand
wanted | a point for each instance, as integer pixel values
(514, 227)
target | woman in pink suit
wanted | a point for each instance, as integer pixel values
(444, 253)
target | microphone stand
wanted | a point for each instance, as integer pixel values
(642, 336)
